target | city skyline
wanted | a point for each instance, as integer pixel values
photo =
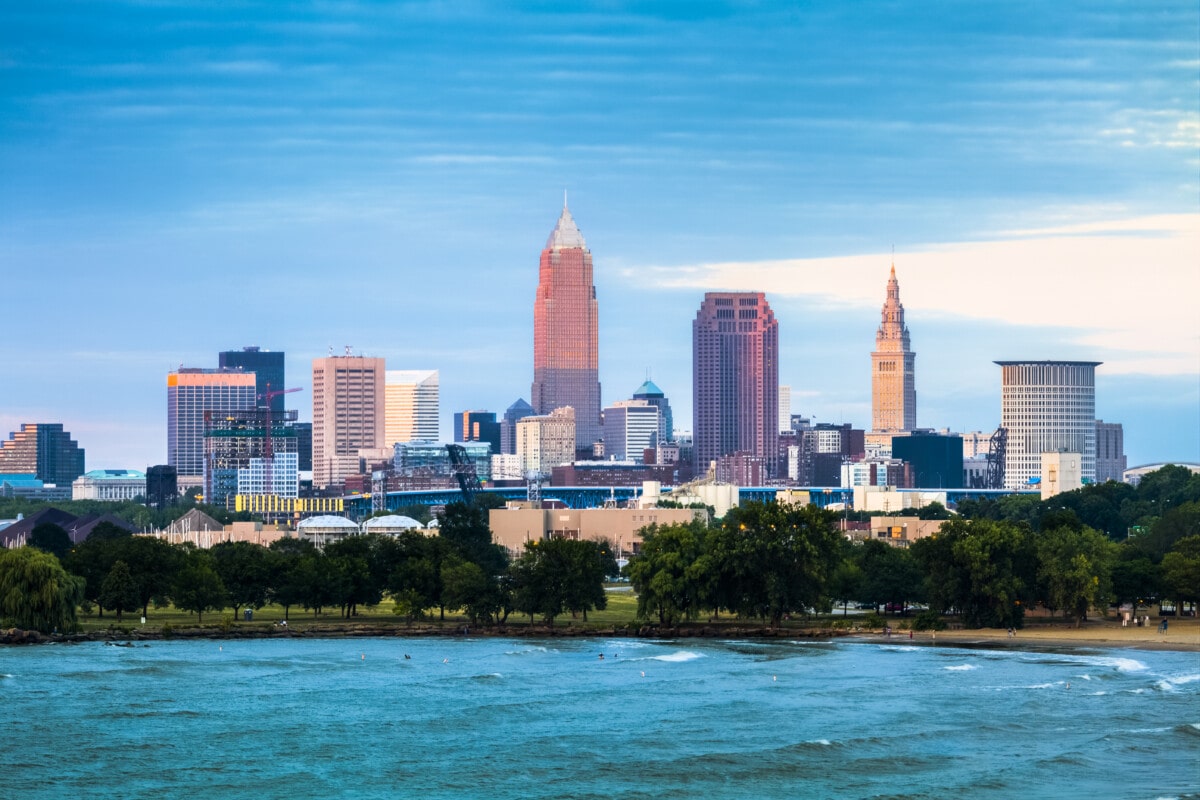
(357, 176)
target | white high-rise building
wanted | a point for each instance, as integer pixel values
(412, 406)
(785, 409)
(1047, 407)
(630, 428)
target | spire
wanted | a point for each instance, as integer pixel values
(566, 232)
(892, 322)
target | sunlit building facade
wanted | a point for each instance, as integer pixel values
(735, 359)
(566, 333)
(1047, 407)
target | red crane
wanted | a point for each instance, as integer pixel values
(268, 449)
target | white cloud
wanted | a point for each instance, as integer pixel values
(1127, 288)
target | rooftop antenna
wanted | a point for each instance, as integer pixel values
(331, 351)
(564, 197)
(348, 350)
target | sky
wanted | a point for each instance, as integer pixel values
(181, 178)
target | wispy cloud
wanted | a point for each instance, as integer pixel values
(1126, 288)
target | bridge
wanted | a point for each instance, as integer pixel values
(358, 506)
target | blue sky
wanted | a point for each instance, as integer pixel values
(182, 178)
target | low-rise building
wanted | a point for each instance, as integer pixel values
(514, 526)
(112, 485)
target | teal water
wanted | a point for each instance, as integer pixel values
(503, 718)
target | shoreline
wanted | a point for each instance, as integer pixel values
(1183, 637)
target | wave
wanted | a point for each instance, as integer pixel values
(960, 667)
(526, 651)
(677, 657)
(1173, 684)
(1120, 664)
(490, 676)
(900, 648)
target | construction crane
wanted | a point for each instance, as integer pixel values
(268, 447)
(464, 470)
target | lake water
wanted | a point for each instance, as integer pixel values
(517, 718)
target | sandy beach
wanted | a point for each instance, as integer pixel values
(1182, 635)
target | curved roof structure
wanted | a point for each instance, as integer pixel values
(326, 521)
(392, 521)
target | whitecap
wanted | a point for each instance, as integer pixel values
(1040, 686)
(824, 742)
(526, 651)
(1098, 694)
(676, 657)
(1086, 677)
(907, 648)
(1179, 680)
(960, 667)
(1121, 664)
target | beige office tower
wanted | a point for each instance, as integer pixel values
(547, 441)
(893, 382)
(412, 407)
(348, 400)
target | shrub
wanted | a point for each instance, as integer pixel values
(872, 620)
(929, 620)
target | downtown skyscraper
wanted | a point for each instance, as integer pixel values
(566, 332)
(735, 359)
(893, 376)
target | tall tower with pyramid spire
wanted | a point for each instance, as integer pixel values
(565, 331)
(893, 380)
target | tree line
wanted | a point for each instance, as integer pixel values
(770, 561)
(988, 565)
(42, 585)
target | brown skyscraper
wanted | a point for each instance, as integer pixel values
(735, 359)
(893, 381)
(348, 414)
(565, 332)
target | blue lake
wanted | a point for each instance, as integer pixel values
(517, 718)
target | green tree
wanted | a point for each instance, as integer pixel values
(846, 582)
(245, 570)
(984, 569)
(1181, 570)
(152, 564)
(50, 538)
(557, 575)
(466, 587)
(667, 572)
(284, 560)
(774, 560)
(465, 527)
(119, 591)
(36, 593)
(889, 574)
(107, 531)
(198, 587)
(1135, 578)
(934, 510)
(1074, 570)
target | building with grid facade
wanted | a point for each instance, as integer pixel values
(631, 427)
(546, 441)
(566, 333)
(1047, 407)
(42, 449)
(348, 414)
(735, 360)
(191, 394)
